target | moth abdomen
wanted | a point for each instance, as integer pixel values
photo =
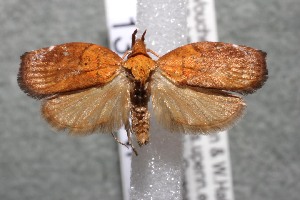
(140, 123)
(140, 116)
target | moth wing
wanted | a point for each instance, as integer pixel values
(193, 110)
(104, 109)
(66, 67)
(216, 65)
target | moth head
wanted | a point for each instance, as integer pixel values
(138, 45)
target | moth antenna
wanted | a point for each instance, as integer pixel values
(133, 37)
(143, 36)
(153, 52)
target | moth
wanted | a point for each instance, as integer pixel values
(87, 88)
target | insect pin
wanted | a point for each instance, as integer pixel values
(196, 88)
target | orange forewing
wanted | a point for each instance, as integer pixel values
(67, 67)
(215, 65)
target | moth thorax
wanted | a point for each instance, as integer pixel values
(140, 123)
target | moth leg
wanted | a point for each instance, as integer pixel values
(126, 53)
(129, 131)
(153, 52)
(118, 141)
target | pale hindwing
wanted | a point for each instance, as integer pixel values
(191, 110)
(103, 109)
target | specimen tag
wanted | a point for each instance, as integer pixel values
(121, 18)
(207, 170)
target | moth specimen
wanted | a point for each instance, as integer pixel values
(197, 88)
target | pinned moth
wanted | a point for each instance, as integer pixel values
(197, 88)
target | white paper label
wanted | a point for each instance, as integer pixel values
(207, 174)
(207, 170)
(121, 18)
